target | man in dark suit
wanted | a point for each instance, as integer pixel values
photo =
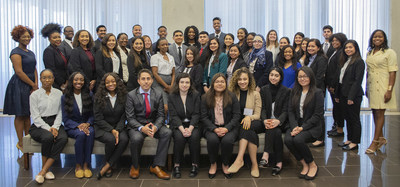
(162, 33)
(218, 33)
(203, 53)
(178, 51)
(137, 32)
(145, 116)
(66, 45)
(101, 31)
(326, 46)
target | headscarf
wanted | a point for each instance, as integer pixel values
(258, 53)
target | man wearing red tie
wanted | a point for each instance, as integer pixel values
(145, 116)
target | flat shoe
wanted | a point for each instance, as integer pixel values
(276, 170)
(39, 179)
(87, 173)
(255, 173)
(227, 175)
(79, 174)
(342, 144)
(235, 168)
(313, 177)
(109, 174)
(348, 148)
(319, 145)
(336, 134)
(49, 176)
(211, 176)
(263, 163)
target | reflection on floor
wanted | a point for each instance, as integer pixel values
(337, 167)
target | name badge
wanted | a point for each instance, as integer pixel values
(248, 112)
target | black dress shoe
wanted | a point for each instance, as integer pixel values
(228, 175)
(348, 148)
(336, 134)
(263, 163)
(99, 176)
(194, 171)
(302, 176)
(211, 176)
(177, 172)
(343, 144)
(109, 174)
(276, 170)
(312, 177)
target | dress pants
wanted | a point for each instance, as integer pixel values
(83, 145)
(226, 142)
(352, 117)
(298, 145)
(274, 143)
(136, 137)
(113, 152)
(251, 134)
(337, 113)
(51, 147)
(194, 145)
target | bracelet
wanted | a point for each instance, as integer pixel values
(390, 88)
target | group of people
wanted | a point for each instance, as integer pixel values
(119, 91)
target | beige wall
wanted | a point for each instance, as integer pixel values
(178, 14)
(395, 43)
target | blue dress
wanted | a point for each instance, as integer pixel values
(16, 101)
(289, 76)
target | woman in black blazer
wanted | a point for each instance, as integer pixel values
(109, 120)
(317, 61)
(108, 58)
(274, 119)
(137, 61)
(52, 57)
(193, 68)
(331, 78)
(349, 92)
(306, 118)
(184, 111)
(220, 115)
(82, 57)
(235, 60)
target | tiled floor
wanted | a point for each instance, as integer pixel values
(337, 168)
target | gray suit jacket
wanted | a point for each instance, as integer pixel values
(65, 48)
(136, 109)
(173, 51)
(221, 37)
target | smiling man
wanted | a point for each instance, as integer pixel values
(101, 31)
(66, 45)
(217, 28)
(178, 51)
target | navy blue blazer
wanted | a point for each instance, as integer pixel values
(71, 121)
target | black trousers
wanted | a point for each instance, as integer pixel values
(179, 145)
(337, 113)
(298, 145)
(274, 143)
(136, 137)
(51, 147)
(352, 117)
(256, 127)
(226, 143)
(113, 152)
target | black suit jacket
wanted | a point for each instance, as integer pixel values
(79, 61)
(53, 60)
(65, 48)
(204, 56)
(239, 64)
(281, 104)
(332, 70)
(196, 74)
(133, 72)
(319, 66)
(330, 51)
(260, 72)
(136, 109)
(97, 46)
(177, 112)
(351, 86)
(105, 65)
(231, 114)
(313, 114)
(108, 118)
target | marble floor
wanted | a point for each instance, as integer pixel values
(337, 167)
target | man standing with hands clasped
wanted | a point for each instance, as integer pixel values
(145, 116)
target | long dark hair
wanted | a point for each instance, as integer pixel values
(319, 53)
(87, 103)
(384, 45)
(282, 60)
(279, 70)
(210, 95)
(218, 52)
(356, 56)
(233, 42)
(104, 48)
(196, 35)
(240, 52)
(101, 97)
(195, 56)
(175, 88)
(294, 39)
(298, 89)
(133, 52)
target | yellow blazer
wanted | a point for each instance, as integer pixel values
(253, 101)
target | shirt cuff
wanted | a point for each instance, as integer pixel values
(140, 128)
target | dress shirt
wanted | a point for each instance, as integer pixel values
(343, 70)
(209, 64)
(311, 60)
(164, 67)
(43, 105)
(112, 99)
(302, 99)
(69, 42)
(124, 63)
(78, 100)
(116, 62)
(141, 91)
(229, 70)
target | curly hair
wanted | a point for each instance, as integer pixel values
(233, 85)
(50, 28)
(87, 103)
(19, 30)
(76, 42)
(196, 35)
(282, 59)
(100, 97)
(371, 44)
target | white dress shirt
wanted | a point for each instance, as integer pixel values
(78, 100)
(43, 105)
(164, 67)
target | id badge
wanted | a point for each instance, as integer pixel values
(248, 112)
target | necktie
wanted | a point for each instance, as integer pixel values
(180, 53)
(146, 101)
(325, 47)
(201, 51)
(217, 36)
(62, 56)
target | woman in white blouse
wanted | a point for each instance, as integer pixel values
(122, 39)
(272, 43)
(163, 67)
(45, 108)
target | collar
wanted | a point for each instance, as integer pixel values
(108, 95)
(313, 57)
(141, 91)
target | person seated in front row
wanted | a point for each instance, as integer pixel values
(45, 108)
(184, 109)
(244, 86)
(220, 115)
(109, 120)
(145, 116)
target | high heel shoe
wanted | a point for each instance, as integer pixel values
(19, 147)
(276, 170)
(382, 142)
(373, 147)
(312, 177)
(235, 167)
